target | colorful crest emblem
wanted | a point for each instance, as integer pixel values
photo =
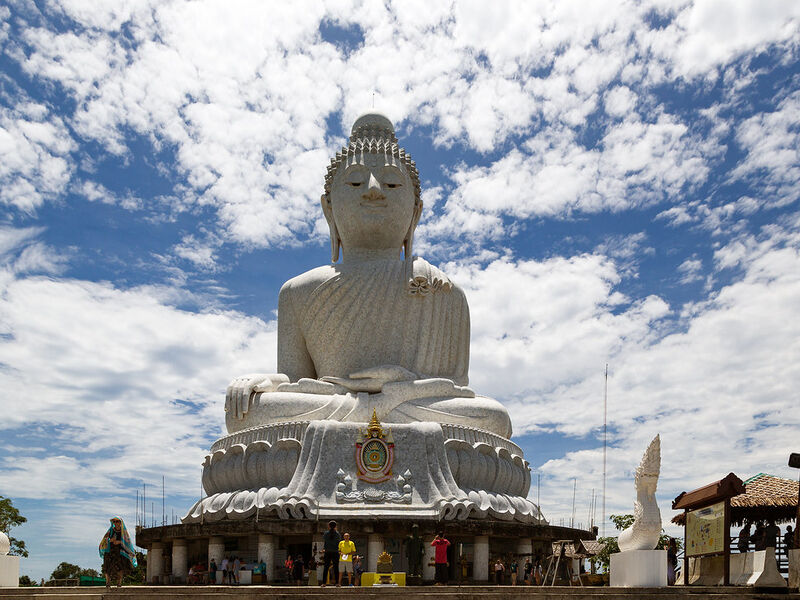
(375, 453)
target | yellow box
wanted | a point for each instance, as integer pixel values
(368, 579)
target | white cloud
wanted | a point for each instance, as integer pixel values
(21, 253)
(35, 163)
(200, 253)
(248, 125)
(691, 270)
(709, 33)
(772, 163)
(619, 101)
(640, 164)
(125, 383)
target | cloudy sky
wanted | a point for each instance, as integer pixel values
(610, 182)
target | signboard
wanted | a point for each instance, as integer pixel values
(705, 530)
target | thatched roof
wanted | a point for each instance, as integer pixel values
(766, 497)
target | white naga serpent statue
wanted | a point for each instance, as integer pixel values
(646, 528)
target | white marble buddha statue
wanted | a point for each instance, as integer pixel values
(381, 330)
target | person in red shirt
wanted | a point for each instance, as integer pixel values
(440, 545)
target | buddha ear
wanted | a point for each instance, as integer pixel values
(328, 212)
(408, 242)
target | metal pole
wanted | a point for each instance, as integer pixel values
(539, 493)
(605, 447)
(163, 504)
(574, 488)
(794, 462)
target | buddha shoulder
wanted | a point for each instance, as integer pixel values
(426, 274)
(300, 286)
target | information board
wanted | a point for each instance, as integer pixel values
(705, 530)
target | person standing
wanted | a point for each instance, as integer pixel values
(311, 565)
(358, 569)
(330, 547)
(298, 569)
(237, 565)
(788, 539)
(513, 568)
(672, 560)
(771, 533)
(440, 544)
(759, 539)
(347, 549)
(117, 552)
(527, 572)
(499, 568)
(212, 572)
(224, 568)
(743, 543)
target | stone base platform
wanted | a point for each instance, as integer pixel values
(172, 548)
(452, 592)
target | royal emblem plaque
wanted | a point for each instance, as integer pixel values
(375, 453)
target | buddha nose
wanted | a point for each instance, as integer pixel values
(373, 188)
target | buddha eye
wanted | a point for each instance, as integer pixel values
(354, 183)
(391, 186)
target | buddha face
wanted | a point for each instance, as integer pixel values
(372, 203)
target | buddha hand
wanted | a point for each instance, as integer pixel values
(241, 389)
(372, 379)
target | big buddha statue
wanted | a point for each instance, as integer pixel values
(382, 330)
(370, 408)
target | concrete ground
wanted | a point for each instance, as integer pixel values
(404, 593)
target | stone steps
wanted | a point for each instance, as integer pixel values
(404, 593)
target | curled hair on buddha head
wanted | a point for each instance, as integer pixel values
(372, 133)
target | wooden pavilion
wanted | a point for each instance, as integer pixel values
(766, 498)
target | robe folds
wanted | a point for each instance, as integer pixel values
(387, 312)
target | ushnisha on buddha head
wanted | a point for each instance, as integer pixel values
(372, 193)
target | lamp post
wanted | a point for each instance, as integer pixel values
(794, 462)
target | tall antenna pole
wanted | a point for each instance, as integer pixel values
(163, 504)
(605, 447)
(574, 487)
(144, 504)
(539, 493)
(137, 506)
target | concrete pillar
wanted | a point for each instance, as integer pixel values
(180, 560)
(374, 549)
(318, 541)
(155, 561)
(524, 547)
(216, 550)
(428, 570)
(794, 568)
(266, 552)
(480, 559)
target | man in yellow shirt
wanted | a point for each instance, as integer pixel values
(346, 551)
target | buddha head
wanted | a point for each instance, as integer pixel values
(372, 192)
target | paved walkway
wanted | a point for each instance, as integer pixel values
(404, 593)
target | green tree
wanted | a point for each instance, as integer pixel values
(10, 517)
(139, 573)
(66, 570)
(25, 581)
(612, 545)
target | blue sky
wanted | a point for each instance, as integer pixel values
(610, 182)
